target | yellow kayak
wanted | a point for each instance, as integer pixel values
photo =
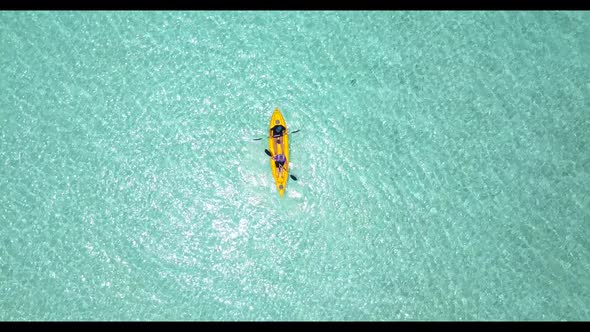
(282, 146)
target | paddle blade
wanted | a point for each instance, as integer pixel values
(257, 139)
(268, 152)
(293, 177)
(296, 131)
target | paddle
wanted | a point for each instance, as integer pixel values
(270, 155)
(258, 139)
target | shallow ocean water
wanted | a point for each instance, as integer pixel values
(442, 163)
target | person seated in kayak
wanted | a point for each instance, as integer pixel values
(277, 132)
(280, 162)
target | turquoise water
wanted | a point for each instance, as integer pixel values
(443, 166)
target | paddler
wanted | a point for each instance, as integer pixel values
(277, 132)
(280, 162)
